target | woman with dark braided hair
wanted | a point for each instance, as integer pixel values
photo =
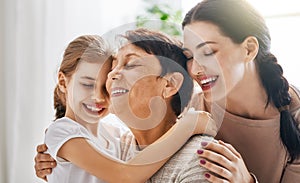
(230, 46)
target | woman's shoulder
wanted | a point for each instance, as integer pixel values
(197, 100)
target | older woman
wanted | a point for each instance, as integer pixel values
(149, 88)
(151, 66)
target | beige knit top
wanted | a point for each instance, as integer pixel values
(259, 143)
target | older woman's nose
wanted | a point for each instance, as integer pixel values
(114, 74)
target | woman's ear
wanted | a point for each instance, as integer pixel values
(174, 82)
(251, 45)
(62, 82)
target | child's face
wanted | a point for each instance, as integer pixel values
(87, 99)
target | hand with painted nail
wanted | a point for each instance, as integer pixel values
(44, 163)
(224, 163)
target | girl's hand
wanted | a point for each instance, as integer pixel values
(224, 163)
(202, 121)
(43, 162)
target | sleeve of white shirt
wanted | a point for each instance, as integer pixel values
(59, 132)
(114, 126)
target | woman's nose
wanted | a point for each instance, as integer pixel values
(114, 74)
(197, 68)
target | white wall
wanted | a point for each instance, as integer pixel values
(285, 45)
(33, 36)
(2, 108)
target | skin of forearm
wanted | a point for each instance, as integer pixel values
(84, 155)
(167, 145)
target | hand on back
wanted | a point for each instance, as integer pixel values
(43, 162)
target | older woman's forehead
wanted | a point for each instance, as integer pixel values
(130, 50)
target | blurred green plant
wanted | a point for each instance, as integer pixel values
(170, 19)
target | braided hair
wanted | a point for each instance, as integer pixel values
(238, 20)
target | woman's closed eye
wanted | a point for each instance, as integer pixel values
(209, 53)
(131, 66)
(205, 53)
(133, 63)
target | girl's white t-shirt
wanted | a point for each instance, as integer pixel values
(108, 142)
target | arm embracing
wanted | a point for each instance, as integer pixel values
(147, 162)
(193, 122)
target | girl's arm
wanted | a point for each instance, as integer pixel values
(147, 162)
(193, 122)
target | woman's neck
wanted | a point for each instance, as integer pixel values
(147, 137)
(248, 99)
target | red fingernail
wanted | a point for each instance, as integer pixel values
(207, 175)
(203, 144)
(200, 151)
(202, 162)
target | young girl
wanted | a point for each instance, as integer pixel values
(83, 153)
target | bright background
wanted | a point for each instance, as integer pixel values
(33, 35)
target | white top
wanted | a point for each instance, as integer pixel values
(64, 129)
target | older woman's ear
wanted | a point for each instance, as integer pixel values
(174, 82)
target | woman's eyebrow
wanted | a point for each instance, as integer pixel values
(204, 43)
(132, 54)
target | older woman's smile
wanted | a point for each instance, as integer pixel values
(118, 91)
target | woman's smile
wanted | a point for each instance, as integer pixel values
(118, 91)
(207, 82)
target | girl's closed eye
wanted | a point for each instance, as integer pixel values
(88, 85)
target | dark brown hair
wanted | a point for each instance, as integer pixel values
(169, 52)
(237, 20)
